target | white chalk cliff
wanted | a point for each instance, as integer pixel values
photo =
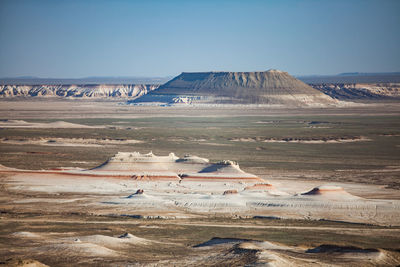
(78, 91)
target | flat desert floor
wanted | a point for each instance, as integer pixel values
(350, 155)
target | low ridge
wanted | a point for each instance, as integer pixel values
(330, 191)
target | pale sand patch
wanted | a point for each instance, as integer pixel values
(24, 263)
(78, 248)
(26, 235)
(81, 142)
(243, 140)
(113, 242)
(266, 122)
(57, 124)
(303, 141)
(216, 144)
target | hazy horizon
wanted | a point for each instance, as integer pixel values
(79, 39)
(172, 76)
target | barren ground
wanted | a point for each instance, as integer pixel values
(357, 148)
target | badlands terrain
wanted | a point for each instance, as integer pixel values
(76, 91)
(358, 87)
(360, 91)
(103, 183)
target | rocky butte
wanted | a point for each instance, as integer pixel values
(266, 87)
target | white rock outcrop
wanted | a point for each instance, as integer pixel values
(78, 91)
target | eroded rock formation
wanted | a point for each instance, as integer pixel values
(77, 91)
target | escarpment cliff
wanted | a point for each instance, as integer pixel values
(360, 91)
(77, 91)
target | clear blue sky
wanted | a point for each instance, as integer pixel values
(71, 39)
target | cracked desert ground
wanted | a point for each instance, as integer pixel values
(315, 187)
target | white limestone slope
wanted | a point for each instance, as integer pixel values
(192, 186)
(77, 91)
(150, 166)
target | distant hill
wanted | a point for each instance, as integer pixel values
(361, 92)
(353, 77)
(267, 87)
(29, 80)
(358, 87)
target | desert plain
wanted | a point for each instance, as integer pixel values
(289, 186)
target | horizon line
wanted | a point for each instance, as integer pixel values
(167, 76)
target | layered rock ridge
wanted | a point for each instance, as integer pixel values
(78, 91)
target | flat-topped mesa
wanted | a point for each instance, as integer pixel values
(127, 157)
(262, 87)
(151, 167)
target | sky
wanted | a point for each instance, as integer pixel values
(73, 39)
